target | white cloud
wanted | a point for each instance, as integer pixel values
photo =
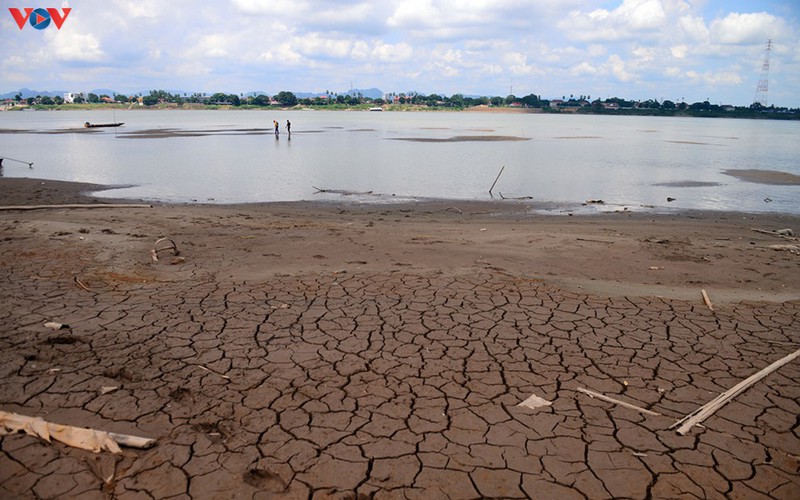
(281, 53)
(216, 45)
(693, 27)
(738, 28)
(631, 19)
(645, 54)
(70, 46)
(583, 68)
(715, 78)
(195, 68)
(679, 51)
(619, 68)
(398, 52)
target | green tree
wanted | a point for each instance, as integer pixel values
(120, 98)
(93, 98)
(261, 100)
(47, 100)
(150, 100)
(287, 98)
(532, 101)
(457, 100)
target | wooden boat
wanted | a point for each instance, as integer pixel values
(96, 125)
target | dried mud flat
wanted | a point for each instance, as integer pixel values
(341, 351)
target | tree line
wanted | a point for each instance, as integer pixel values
(579, 104)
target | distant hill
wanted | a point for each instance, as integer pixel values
(32, 93)
(371, 93)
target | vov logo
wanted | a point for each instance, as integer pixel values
(39, 18)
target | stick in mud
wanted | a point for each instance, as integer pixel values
(496, 179)
(708, 409)
(607, 399)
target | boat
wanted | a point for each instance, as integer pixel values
(97, 125)
(376, 109)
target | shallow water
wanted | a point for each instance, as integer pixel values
(561, 161)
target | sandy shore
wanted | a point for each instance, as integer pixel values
(314, 349)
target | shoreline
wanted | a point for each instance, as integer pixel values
(610, 254)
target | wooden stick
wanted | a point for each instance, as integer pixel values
(595, 241)
(57, 207)
(706, 300)
(700, 414)
(81, 284)
(28, 163)
(774, 233)
(496, 179)
(607, 399)
(79, 437)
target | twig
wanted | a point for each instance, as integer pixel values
(212, 371)
(607, 399)
(59, 207)
(82, 285)
(595, 241)
(496, 179)
(514, 197)
(708, 409)
(706, 300)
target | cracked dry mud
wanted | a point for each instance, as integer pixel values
(392, 384)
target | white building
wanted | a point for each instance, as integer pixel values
(69, 97)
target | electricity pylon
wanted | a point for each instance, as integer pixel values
(763, 83)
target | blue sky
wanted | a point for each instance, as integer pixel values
(638, 49)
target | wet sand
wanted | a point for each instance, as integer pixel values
(774, 177)
(333, 350)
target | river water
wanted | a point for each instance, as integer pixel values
(560, 161)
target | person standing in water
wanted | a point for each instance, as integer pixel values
(288, 127)
(276, 127)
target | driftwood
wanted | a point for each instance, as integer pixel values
(686, 423)
(786, 234)
(595, 241)
(58, 207)
(706, 300)
(795, 249)
(496, 179)
(607, 399)
(86, 439)
(342, 192)
(514, 197)
(166, 244)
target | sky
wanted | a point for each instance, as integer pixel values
(679, 50)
